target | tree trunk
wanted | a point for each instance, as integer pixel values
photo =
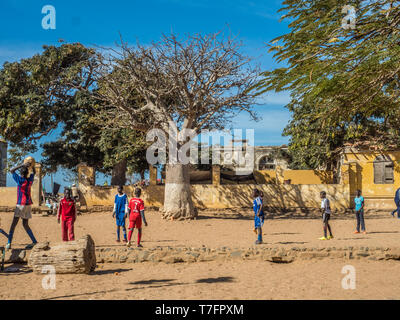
(119, 174)
(178, 204)
(68, 257)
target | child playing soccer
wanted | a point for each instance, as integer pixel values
(136, 209)
(326, 215)
(23, 208)
(120, 211)
(258, 215)
(359, 202)
(67, 213)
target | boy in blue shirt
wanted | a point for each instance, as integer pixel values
(120, 211)
(258, 215)
(359, 202)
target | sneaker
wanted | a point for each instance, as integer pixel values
(259, 242)
(128, 244)
(330, 237)
(117, 240)
(139, 246)
(125, 241)
(355, 232)
(322, 238)
(8, 246)
(392, 213)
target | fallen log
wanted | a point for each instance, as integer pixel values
(67, 257)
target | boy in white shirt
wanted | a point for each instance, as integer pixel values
(326, 215)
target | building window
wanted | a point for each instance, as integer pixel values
(383, 170)
(266, 163)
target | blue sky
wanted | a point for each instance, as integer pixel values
(100, 22)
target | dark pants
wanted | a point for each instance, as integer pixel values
(398, 212)
(4, 233)
(25, 223)
(360, 220)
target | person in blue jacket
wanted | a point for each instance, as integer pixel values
(397, 202)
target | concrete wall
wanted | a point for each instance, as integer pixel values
(265, 176)
(224, 196)
(296, 176)
(91, 196)
(357, 172)
(308, 176)
(231, 196)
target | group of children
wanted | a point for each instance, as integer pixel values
(325, 210)
(67, 213)
(134, 209)
(326, 214)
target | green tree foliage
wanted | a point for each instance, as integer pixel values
(344, 81)
(39, 93)
(55, 89)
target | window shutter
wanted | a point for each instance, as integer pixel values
(379, 169)
(383, 170)
(389, 176)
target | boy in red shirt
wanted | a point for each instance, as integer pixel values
(136, 209)
(67, 211)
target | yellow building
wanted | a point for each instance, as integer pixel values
(376, 174)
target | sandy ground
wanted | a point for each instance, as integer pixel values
(213, 231)
(253, 280)
(215, 280)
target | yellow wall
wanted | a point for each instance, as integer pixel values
(8, 196)
(296, 176)
(357, 172)
(308, 176)
(378, 196)
(104, 195)
(232, 196)
(265, 176)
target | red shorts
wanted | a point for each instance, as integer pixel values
(135, 221)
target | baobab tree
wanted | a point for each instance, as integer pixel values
(199, 82)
